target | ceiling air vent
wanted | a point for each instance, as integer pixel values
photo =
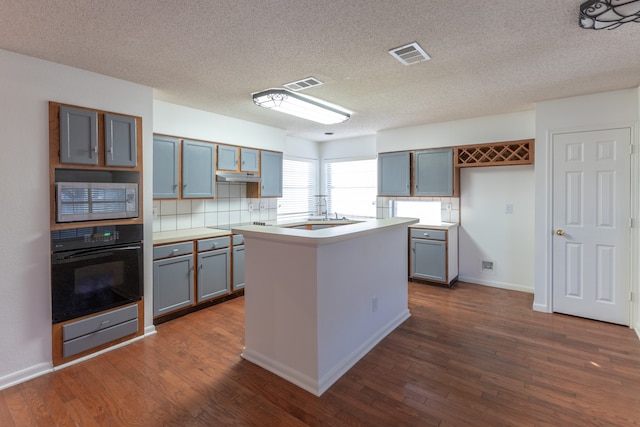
(410, 54)
(303, 84)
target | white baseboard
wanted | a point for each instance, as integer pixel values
(46, 368)
(318, 386)
(27, 374)
(496, 284)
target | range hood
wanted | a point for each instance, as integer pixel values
(236, 177)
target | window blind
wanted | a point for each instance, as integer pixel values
(298, 188)
(352, 187)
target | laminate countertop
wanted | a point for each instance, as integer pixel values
(166, 237)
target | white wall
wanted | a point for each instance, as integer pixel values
(176, 120)
(590, 112)
(490, 234)
(484, 194)
(506, 127)
(26, 86)
(301, 148)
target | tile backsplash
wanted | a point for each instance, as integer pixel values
(231, 206)
(449, 212)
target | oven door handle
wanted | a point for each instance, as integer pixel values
(92, 253)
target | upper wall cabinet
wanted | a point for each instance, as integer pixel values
(165, 167)
(435, 175)
(249, 160)
(237, 159)
(78, 136)
(79, 140)
(394, 174)
(198, 169)
(120, 140)
(227, 158)
(270, 184)
(271, 177)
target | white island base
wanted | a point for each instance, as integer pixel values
(317, 301)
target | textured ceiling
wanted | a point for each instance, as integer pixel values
(488, 57)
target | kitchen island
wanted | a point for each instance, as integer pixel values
(317, 301)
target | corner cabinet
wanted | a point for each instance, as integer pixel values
(270, 176)
(435, 174)
(198, 169)
(394, 174)
(433, 255)
(165, 167)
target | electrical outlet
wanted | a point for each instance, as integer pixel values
(263, 206)
(374, 304)
(508, 209)
(250, 207)
(487, 266)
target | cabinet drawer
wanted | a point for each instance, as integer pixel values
(215, 243)
(103, 336)
(426, 233)
(96, 323)
(238, 239)
(175, 249)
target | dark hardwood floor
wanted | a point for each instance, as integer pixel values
(468, 356)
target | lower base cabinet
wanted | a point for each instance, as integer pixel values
(213, 274)
(238, 267)
(188, 273)
(172, 284)
(433, 255)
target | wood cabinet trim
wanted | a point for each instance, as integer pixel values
(517, 152)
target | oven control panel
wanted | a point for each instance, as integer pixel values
(96, 236)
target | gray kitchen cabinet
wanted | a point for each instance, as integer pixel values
(120, 140)
(434, 255)
(198, 170)
(270, 174)
(214, 265)
(249, 160)
(227, 158)
(165, 167)
(173, 283)
(78, 136)
(237, 262)
(434, 172)
(394, 174)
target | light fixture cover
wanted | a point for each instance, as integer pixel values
(609, 14)
(302, 106)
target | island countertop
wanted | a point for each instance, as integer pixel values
(325, 235)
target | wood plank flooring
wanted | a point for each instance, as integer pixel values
(468, 356)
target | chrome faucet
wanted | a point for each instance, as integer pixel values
(326, 209)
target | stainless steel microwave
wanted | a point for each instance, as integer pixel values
(90, 201)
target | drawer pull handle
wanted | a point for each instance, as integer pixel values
(175, 250)
(426, 234)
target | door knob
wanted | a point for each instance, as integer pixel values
(560, 232)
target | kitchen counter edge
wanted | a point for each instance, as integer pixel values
(325, 235)
(175, 236)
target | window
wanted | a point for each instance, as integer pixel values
(351, 187)
(298, 188)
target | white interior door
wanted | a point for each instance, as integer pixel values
(591, 224)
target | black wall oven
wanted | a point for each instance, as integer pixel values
(95, 268)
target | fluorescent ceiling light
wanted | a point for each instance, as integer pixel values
(302, 106)
(609, 14)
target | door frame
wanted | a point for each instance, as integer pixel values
(634, 260)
